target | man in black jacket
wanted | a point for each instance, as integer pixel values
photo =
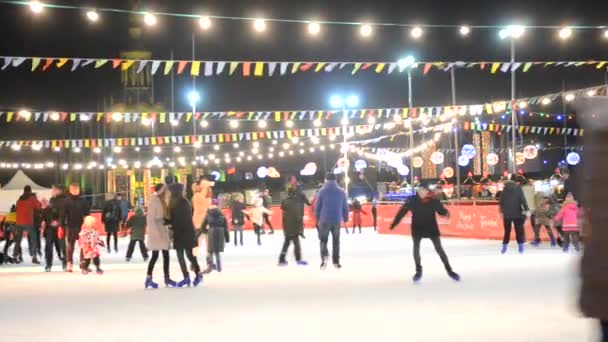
(293, 224)
(52, 216)
(513, 207)
(76, 208)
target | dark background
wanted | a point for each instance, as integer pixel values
(66, 33)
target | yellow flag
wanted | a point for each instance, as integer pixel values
(62, 62)
(100, 62)
(127, 64)
(87, 143)
(495, 67)
(259, 69)
(489, 109)
(277, 116)
(380, 67)
(35, 63)
(163, 117)
(233, 66)
(220, 138)
(188, 116)
(600, 65)
(168, 67)
(195, 69)
(356, 68)
(527, 66)
(320, 66)
(295, 67)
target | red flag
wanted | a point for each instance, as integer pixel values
(47, 64)
(306, 66)
(366, 66)
(427, 68)
(116, 63)
(181, 66)
(414, 112)
(247, 69)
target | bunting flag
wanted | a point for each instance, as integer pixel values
(267, 68)
(473, 126)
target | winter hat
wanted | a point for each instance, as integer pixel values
(330, 176)
(27, 188)
(215, 202)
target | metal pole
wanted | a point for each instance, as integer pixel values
(193, 102)
(565, 116)
(456, 132)
(345, 146)
(513, 117)
(409, 102)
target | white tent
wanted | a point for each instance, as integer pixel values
(11, 191)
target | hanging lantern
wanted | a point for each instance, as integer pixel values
(573, 158)
(403, 170)
(262, 172)
(437, 158)
(360, 164)
(463, 160)
(530, 152)
(520, 158)
(468, 151)
(492, 159)
(448, 172)
(418, 162)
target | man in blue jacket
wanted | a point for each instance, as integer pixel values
(331, 209)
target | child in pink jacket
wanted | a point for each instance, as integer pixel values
(572, 217)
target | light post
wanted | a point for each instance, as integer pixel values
(193, 99)
(406, 64)
(339, 102)
(513, 33)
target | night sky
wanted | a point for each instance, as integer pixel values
(66, 33)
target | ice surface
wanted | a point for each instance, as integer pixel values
(530, 297)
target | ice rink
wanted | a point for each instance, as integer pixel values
(372, 298)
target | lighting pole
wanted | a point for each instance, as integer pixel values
(456, 132)
(407, 63)
(193, 98)
(339, 102)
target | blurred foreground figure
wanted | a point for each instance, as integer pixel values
(594, 265)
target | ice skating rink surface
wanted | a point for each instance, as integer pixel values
(530, 297)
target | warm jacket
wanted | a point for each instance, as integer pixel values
(238, 217)
(111, 215)
(293, 214)
(89, 242)
(56, 208)
(124, 209)
(200, 204)
(512, 201)
(331, 206)
(256, 213)
(424, 221)
(544, 214)
(267, 201)
(216, 227)
(76, 208)
(569, 215)
(180, 220)
(529, 195)
(158, 233)
(137, 223)
(26, 204)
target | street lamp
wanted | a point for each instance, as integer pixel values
(193, 98)
(407, 63)
(342, 103)
(512, 32)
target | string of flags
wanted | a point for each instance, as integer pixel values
(272, 68)
(494, 127)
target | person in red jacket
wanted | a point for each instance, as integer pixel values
(26, 204)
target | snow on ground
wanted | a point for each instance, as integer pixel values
(501, 298)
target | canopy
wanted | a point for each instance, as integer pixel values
(11, 191)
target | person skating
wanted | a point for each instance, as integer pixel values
(256, 213)
(238, 218)
(513, 207)
(357, 210)
(331, 209)
(137, 224)
(76, 209)
(158, 240)
(25, 207)
(201, 201)
(293, 225)
(57, 204)
(267, 202)
(124, 212)
(89, 242)
(50, 227)
(543, 218)
(215, 226)
(572, 218)
(375, 213)
(111, 217)
(184, 236)
(424, 207)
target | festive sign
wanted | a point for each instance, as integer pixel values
(403, 170)
(530, 152)
(437, 158)
(418, 162)
(273, 173)
(360, 164)
(573, 158)
(463, 161)
(262, 172)
(492, 159)
(520, 158)
(468, 151)
(448, 172)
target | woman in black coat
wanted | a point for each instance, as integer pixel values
(215, 226)
(184, 237)
(293, 224)
(424, 206)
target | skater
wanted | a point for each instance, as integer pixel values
(572, 218)
(201, 201)
(57, 204)
(543, 217)
(357, 210)
(513, 205)
(111, 218)
(215, 226)
(25, 207)
(375, 213)
(137, 224)
(424, 206)
(76, 209)
(238, 217)
(184, 237)
(293, 182)
(293, 225)
(89, 242)
(158, 236)
(331, 208)
(124, 212)
(256, 213)
(50, 227)
(267, 202)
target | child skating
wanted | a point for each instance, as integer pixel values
(137, 224)
(357, 210)
(215, 226)
(572, 218)
(89, 242)
(424, 206)
(293, 225)
(543, 217)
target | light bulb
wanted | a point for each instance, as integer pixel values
(565, 33)
(36, 6)
(55, 116)
(93, 16)
(545, 101)
(344, 122)
(216, 147)
(77, 150)
(259, 25)
(317, 123)
(262, 124)
(366, 30)
(289, 124)
(150, 19)
(523, 104)
(591, 93)
(465, 30)
(204, 23)
(157, 149)
(174, 122)
(146, 121)
(204, 123)
(371, 120)
(234, 124)
(570, 97)
(177, 149)
(314, 28)
(97, 150)
(416, 32)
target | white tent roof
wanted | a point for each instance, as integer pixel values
(20, 180)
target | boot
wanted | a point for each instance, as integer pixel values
(35, 260)
(418, 274)
(99, 271)
(184, 283)
(197, 280)
(520, 248)
(535, 243)
(149, 283)
(210, 265)
(169, 282)
(553, 242)
(504, 248)
(302, 263)
(324, 263)
(453, 275)
(283, 263)
(218, 262)
(47, 269)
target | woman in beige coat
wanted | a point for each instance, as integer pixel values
(201, 201)
(158, 235)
